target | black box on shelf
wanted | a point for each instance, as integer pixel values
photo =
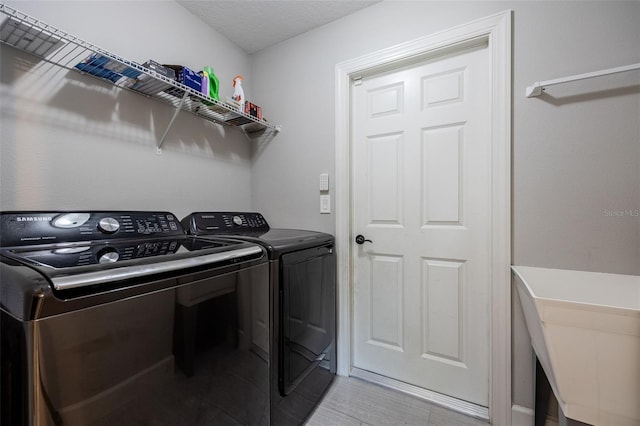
(151, 85)
(157, 67)
(186, 76)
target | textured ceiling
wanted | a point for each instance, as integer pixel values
(256, 24)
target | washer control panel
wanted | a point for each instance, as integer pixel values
(29, 228)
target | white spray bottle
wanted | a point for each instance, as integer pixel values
(238, 92)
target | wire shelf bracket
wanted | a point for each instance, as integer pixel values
(538, 87)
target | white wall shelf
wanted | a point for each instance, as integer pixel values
(55, 46)
(538, 87)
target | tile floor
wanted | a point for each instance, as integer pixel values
(354, 402)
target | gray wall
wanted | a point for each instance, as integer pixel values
(576, 151)
(69, 141)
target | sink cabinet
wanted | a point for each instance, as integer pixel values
(585, 330)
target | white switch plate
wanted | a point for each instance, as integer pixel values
(325, 204)
(324, 181)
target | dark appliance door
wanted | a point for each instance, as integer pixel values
(189, 354)
(307, 297)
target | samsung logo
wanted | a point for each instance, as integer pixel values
(34, 218)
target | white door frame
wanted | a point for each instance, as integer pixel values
(497, 30)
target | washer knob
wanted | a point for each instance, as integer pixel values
(237, 220)
(108, 225)
(108, 256)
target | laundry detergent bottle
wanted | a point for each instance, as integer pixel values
(214, 83)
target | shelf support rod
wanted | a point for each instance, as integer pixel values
(175, 114)
(537, 87)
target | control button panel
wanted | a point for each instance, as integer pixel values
(210, 223)
(244, 220)
(30, 228)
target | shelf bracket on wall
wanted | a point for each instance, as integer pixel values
(538, 87)
(173, 118)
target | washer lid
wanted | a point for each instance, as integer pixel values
(279, 241)
(283, 236)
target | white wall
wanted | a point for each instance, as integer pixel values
(574, 157)
(69, 141)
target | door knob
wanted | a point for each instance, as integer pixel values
(361, 240)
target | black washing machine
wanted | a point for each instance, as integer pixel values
(120, 318)
(302, 300)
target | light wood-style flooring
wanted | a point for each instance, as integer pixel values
(354, 402)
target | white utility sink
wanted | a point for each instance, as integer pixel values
(585, 330)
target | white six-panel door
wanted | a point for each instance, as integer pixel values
(421, 194)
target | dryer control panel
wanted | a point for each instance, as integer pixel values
(203, 223)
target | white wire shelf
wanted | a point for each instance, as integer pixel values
(60, 48)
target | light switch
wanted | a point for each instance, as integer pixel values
(324, 181)
(325, 204)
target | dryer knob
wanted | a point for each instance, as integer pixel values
(108, 225)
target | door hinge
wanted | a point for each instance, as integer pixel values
(357, 81)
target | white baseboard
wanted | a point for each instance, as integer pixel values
(449, 402)
(521, 416)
